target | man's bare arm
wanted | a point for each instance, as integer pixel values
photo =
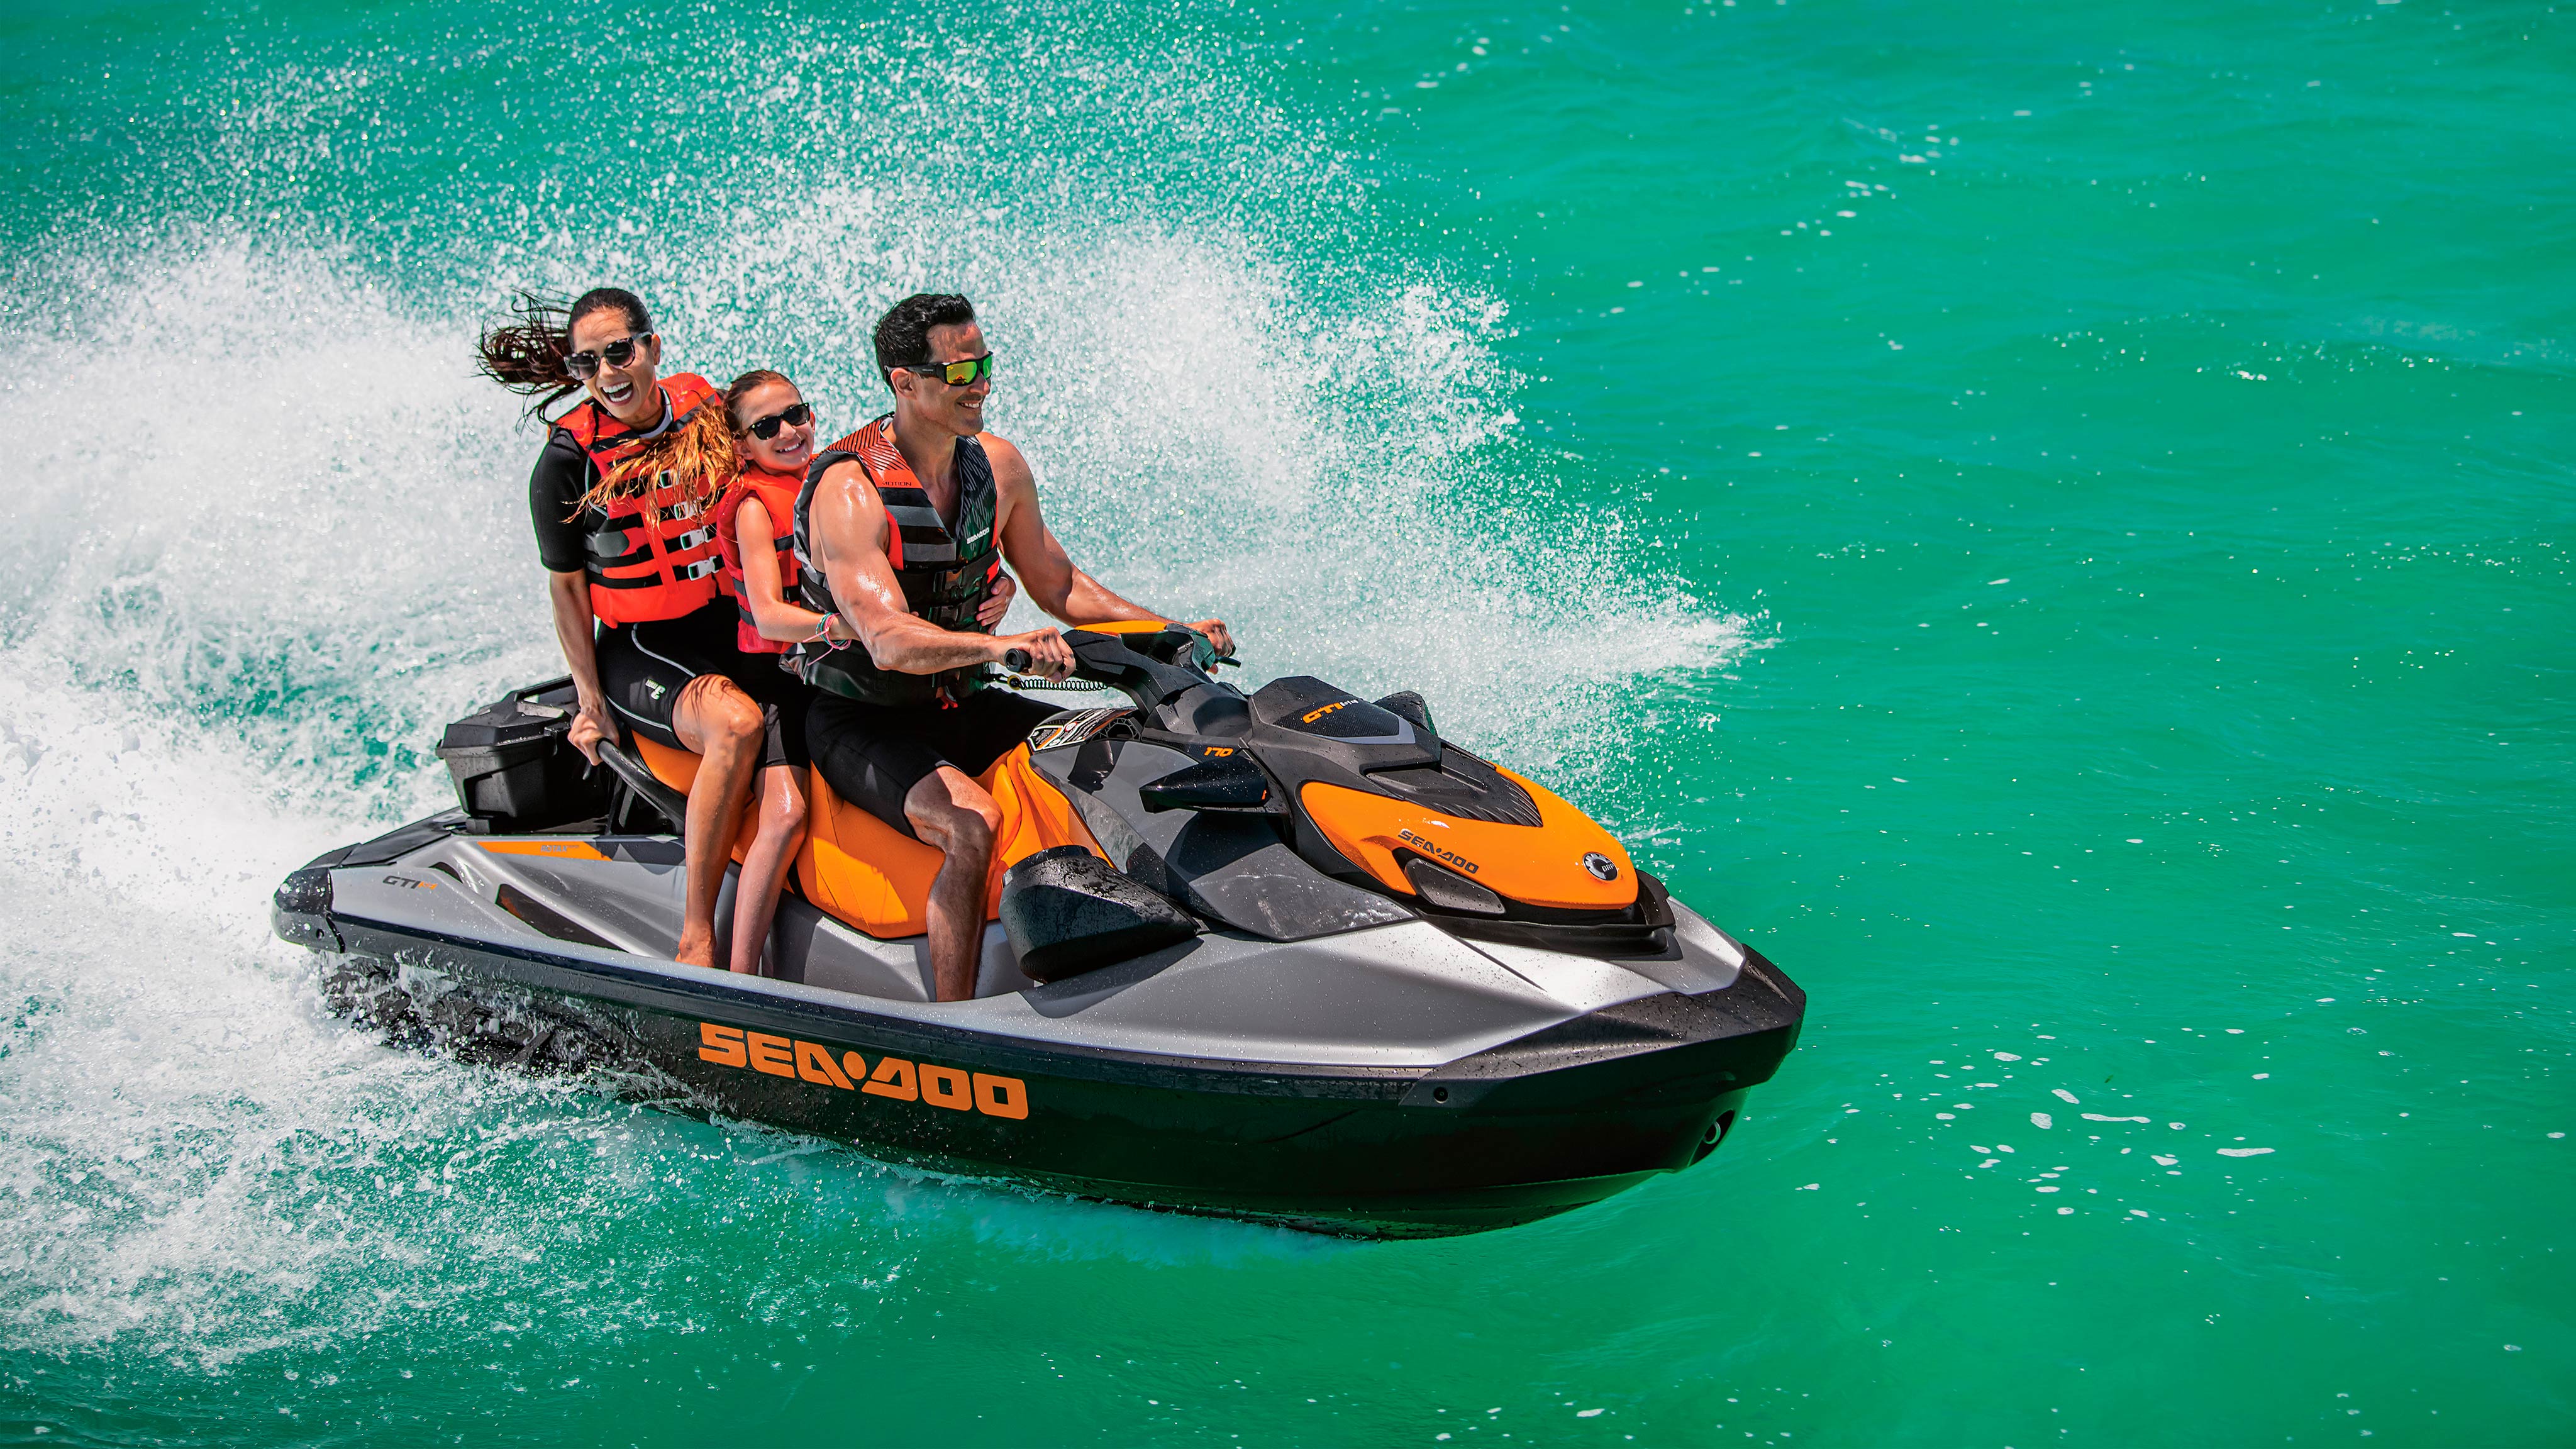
(1047, 573)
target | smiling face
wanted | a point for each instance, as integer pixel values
(627, 392)
(793, 447)
(960, 410)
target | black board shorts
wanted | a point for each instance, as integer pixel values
(872, 755)
(643, 667)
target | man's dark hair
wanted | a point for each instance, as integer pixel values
(903, 333)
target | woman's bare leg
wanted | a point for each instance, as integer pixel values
(764, 866)
(715, 718)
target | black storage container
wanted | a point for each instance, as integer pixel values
(515, 769)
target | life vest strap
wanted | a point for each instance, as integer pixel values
(650, 554)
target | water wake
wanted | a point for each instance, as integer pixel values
(270, 533)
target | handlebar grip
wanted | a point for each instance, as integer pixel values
(1017, 661)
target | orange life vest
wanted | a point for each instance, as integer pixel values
(652, 555)
(777, 494)
(946, 573)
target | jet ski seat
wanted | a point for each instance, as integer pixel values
(679, 770)
(874, 877)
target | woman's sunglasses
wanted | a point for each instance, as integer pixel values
(767, 428)
(584, 365)
(964, 372)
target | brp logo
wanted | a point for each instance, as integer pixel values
(1601, 866)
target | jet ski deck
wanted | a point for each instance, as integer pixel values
(1317, 1049)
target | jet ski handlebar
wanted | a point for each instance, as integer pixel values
(1017, 661)
(1147, 667)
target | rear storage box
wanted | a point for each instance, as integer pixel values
(515, 769)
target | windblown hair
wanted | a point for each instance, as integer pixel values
(527, 355)
(903, 333)
(704, 452)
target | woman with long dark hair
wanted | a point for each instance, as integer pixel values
(632, 567)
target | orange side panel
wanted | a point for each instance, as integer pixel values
(861, 869)
(551, 849)
(679, 770)
(877, 878)
(1126, 626)
(1035, 816)
(1541, 866)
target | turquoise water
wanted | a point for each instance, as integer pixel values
(2051, 521)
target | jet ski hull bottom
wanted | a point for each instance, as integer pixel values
(1506, 1136)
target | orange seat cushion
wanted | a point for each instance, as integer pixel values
(679, 770)
(875, 877)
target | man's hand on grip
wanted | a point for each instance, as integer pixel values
(1049, 656)
(1217, 635)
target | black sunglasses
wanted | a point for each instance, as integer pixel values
(964, 372)
(767, 428)
(616, 354)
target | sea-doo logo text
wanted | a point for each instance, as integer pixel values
(1442, 852)
(1312, 715)
(1601, 866)
(780, 1056)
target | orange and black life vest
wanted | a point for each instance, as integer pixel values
(946, 573)
(652, 555)
(777, 494)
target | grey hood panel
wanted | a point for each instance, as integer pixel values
(1231, 868)
(1406, 995)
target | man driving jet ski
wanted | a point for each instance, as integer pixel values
(901, 529)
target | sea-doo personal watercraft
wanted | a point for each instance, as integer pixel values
(1288, 955)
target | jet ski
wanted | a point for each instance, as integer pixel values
(1288, 955)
